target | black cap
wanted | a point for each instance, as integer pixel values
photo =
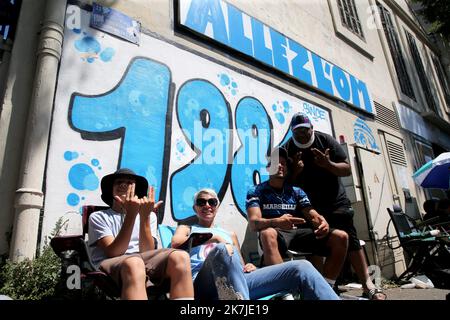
(108, 181)
(300, 120)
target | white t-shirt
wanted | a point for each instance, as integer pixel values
(108, 223)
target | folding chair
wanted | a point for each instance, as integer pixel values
(422, 247)
(73, 250)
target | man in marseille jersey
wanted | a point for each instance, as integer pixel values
(285, 220)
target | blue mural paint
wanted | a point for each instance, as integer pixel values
(88, 44)
(359, 87)
(261, 52)
(314, 112)
(341, 83)
(322, 82)
(95, 162)
(82, 177)
(274, 107)
(69, 155)
(224, 79)
(73, 199)
(180, 146)
(228, 84)
(204, 116)
(363, 135)
(280, 118)
(299, 62)
(279, 51)
(286, 107)
(202, 13)
(254, 129)
(134, 111)
(107, 54)
(91, 46)
(237, 37)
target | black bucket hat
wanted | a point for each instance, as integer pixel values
(108, 181)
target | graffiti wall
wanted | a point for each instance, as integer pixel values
(181, 120)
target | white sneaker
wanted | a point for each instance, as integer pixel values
(287, 296)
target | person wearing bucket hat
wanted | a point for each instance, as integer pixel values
(278, 211)
(122, 244)
(318, 163)
(108, 181)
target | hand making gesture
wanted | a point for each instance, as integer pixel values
(287, 222)
(298, 164)
(322, 227)
(129, 202)
(147, 204)
(322, 159)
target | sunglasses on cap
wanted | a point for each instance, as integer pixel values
(202, 202)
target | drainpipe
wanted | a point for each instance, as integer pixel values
(29, 198)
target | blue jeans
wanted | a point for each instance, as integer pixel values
(221, 273)
(227, 271)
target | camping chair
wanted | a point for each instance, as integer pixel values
(166, 233)
(73, 250)
(423, 247)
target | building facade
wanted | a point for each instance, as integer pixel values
(194, 93)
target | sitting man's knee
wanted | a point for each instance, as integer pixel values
(224, 249)
(339, 238)
(179, 259)
(133, 267)
(269, 236)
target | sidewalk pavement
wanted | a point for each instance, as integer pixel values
(398, 293)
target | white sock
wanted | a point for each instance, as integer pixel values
(184, 298)
(330, 282)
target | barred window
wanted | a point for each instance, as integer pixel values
(421, 72)
(396, 52)
(349, 17)
(442, 79)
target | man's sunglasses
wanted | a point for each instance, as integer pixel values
(202, 202)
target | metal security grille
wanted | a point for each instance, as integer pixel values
(349, 17)
(421, 72)
(396, 52)
(442, 78)
(396, 153)
(386, 116)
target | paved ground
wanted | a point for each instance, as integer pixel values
(402, 294)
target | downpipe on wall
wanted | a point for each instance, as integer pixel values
(29, 199)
